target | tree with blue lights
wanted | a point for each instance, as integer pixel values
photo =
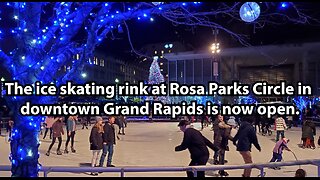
(40, 38)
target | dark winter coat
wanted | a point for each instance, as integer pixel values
(57, 129)
(216, 133)
(225, 137)
(196, 143)
(245, 137)
(96, 140)
(308, 130)
(109, 134)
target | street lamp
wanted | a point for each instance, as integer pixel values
(215, 48)
(116, 81)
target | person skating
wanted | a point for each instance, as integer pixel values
(226, 134)
(197, 144)
(243, 140)
(280, 126)
(71, 131)
(57, 129)
(84, 122)
(218, 126)
(308, 133)
(278, 150)
(96, 142)
(122, 125)
(48, 122)
(108, 142)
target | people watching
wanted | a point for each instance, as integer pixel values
(96, 142)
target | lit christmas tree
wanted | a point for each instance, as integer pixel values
(155, 77)
(39, 38)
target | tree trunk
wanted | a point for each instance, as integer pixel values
(24, 144)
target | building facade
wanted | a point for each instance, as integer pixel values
(273, 63)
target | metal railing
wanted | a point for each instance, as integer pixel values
(194, 169)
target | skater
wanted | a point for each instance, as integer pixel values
(243, 140)
(108, 142)
(71, 131)
(88, 119)
(218, 126)
(308, 133)
(278, 150)
(279, 127)
(57, 128)
(226, 134)
(84, 122)
(203, 121)
(116, 126)
(197, 144)
(121, 125)
(96, 142)
(48, 123)
(10, 127)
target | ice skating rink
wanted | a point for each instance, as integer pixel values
(152, 144)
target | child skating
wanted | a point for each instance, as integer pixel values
(278, 150)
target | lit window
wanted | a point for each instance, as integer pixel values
(134, 72)
(162, 52)
(155, 52)
(65, 68)
(161, 69)
(95, 60)
(169, 51)
(68, 68)
(161, 56)
(161, 64)
(102, 62)
(78, 56)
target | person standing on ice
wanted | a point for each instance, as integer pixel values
(96, 142)
(279, 126)
(197, 144)
(244, 138)
(71, 131)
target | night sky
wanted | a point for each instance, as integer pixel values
(162, 31)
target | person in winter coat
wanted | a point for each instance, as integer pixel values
(280, 126)
(71, 131)
(225, 137)
(57, 129)
(48, 122)
(308, 133)
(108, 142)
(218, 126)
(122, 124)
(96, 142)
(197, 144)
(243, 140)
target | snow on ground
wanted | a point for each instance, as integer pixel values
(152, 144)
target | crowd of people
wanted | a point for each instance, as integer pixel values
(242, 132)
(102, 136)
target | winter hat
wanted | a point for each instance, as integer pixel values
(232, 121)
(98, 118)
(285, 140)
